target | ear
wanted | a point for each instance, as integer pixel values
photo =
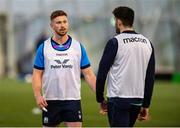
(51, 25)
(119, 22)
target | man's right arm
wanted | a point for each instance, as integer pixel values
(37, 77)
(37, 82)
(37, 85)
(105, 64)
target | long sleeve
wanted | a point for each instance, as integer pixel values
(149, 81)
(106, 62)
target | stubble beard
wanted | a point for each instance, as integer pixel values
(59, 33)
(117, 30)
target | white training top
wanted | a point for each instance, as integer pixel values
(126, 78)
(61, 77)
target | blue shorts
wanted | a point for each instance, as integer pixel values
(62, 111)
(123, 112)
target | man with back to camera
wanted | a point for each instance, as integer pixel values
(128, 61)
(57, 67)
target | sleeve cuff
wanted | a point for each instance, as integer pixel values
(145, 105)
(85, 66)
(37, 67)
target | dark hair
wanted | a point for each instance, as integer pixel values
(125, 14)
(57, 13)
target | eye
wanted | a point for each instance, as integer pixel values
(58, 22)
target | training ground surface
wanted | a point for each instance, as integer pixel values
(17, 102)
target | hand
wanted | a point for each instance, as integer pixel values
(144, 114)
(103, 107)
(41, 102)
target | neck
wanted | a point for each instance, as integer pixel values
(60, 39)
(126, 29)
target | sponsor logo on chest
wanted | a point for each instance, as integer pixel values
(62, 64)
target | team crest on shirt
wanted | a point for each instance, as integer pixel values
(62, 64)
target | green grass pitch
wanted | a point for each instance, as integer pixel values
(17, 102)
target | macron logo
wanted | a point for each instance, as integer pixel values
(134, 39)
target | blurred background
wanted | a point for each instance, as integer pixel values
(25, 23)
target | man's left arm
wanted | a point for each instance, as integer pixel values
(148, 90)
(149, 80)
(90, 77)
(87, 70)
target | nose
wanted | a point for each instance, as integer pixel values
(63, 25)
